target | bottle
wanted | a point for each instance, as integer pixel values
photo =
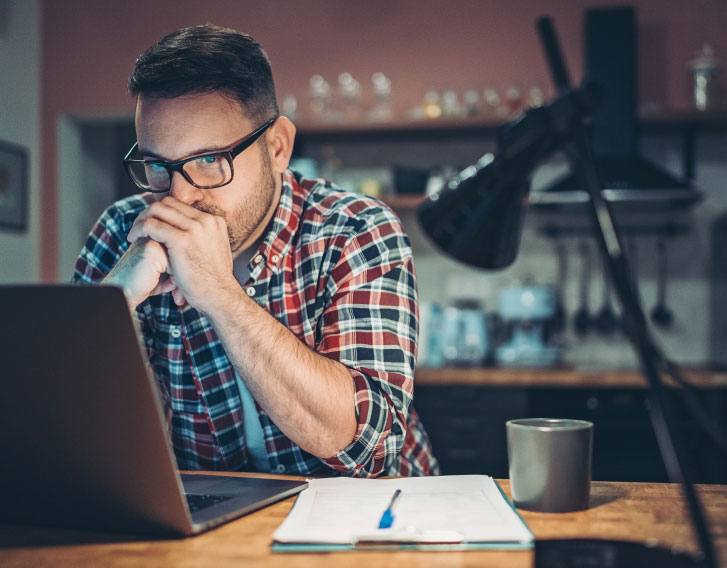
(706, 70)
(381, 111)
(430, 335)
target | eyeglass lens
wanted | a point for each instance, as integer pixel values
(206, 171)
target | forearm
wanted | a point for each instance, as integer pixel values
(309, 396)
(141, 272)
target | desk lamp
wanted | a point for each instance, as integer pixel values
(477, 219)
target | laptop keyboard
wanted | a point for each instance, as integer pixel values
(197, 502)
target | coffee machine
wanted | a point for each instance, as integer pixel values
(525, 311)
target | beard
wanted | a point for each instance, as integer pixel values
(243, 221)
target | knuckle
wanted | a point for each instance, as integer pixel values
(197, 226)
(146, 222)
(209, 222)
(156, 207)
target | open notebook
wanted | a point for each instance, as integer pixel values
(448, 512)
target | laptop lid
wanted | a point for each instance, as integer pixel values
(82, 431)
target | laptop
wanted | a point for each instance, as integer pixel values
(82, 433)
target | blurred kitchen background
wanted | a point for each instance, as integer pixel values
(392, 97)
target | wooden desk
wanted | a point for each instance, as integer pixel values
(629, 511)
(557, 378)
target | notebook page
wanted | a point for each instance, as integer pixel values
(345, 510)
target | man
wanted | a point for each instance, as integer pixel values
(279, 314)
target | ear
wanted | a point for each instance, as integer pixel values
(280, 139)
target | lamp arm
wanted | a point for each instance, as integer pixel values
(669, 438)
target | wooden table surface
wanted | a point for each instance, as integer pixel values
(627, 511)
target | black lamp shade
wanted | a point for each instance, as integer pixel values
(477, 217)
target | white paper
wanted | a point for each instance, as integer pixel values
(466, 508)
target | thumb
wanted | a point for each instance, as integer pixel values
(179, 298)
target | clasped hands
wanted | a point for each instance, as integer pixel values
(175, 248)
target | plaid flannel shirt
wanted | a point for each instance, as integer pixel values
(336, 269)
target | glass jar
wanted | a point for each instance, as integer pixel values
(706, 76)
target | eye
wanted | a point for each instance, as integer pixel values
(155, 167)
(209, 160)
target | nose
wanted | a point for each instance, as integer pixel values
(184, 191)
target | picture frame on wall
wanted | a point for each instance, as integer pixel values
(13, 186)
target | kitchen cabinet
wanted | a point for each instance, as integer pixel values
(465, 410)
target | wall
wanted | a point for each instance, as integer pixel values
(19, 124)
(89, 49)
(89, 162)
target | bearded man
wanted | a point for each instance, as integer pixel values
(279, 314)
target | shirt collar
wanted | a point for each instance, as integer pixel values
(286, 220)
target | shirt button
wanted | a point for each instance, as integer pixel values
(280, 468)
(176, 333)
(257, 259)
(275, 258)
(250, 291)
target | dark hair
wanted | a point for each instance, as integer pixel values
(205, 59)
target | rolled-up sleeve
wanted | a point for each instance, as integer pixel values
(106, 242)
(370, 326)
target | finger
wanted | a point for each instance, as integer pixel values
(157, 230)
(166, 284)
(184, 219)
(132, 238)
(179, 298)
(184, 208)
(171, 211)
(140, 218)
(179, 214)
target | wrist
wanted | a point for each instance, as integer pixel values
(219, 303)
(112, 279)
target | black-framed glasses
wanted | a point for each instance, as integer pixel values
(206, 171)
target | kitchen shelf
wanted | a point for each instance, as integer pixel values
(669, 120)
(666, 229)
(477, 126)
(403, 202)
(681, 120)
(686, 123)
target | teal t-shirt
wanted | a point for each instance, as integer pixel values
(253, 430)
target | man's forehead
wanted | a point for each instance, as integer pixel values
(189, 107)
(175, 127)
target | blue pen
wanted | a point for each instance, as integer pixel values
(387, 519)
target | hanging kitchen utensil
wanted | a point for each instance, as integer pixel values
(582, 318)
(634, 264)
(558, 321)
(606, 321)
(661, 315)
